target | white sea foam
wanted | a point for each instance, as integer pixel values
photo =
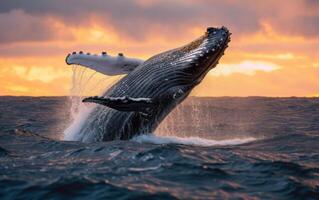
(85, 82)
(72, 132)
(195, 141)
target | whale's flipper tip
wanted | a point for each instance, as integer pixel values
(122, 103)
(104, 63)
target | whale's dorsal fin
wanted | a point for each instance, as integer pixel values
(123, 103)
(105, 64)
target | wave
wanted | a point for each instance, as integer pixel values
(195, 141)
(72, 132)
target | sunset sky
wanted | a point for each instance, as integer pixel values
(274, 49)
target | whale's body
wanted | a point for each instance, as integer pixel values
(142, 99)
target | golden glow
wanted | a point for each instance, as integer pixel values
(45, 74)
(18, 89)
(248, 67)
(283, 56)
(262, 63)
(94, 34)
(268, 35)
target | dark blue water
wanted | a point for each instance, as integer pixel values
(275, 154)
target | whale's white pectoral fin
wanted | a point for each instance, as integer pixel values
(123, 103)
(105, 64)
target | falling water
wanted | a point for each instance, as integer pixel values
(192, 118)
(185, 116)
(85, 82)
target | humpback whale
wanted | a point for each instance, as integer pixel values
(139, 101)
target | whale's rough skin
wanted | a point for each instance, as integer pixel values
(140, 101)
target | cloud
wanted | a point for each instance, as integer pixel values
(12, 82)
(272, 41)
(134, 17)
(137, 19)
(292, 81)
(17, 26)
(248, 67)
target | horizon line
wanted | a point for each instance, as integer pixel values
(226, 96)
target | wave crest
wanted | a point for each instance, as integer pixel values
(195, 141)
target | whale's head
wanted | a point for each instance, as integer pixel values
(201, 55)
(183, 68)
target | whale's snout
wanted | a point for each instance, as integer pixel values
(213, 30)
(218, 37)
(215, 42)
(203, 54)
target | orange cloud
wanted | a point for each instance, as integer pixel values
(268, 55)
(283, 82)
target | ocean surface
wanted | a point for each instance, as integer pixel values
(208, 148)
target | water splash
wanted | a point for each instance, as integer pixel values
(186, 116)
(85, 82)
(72, 132)
(195, 141)
(221, 119)
(193, 118)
